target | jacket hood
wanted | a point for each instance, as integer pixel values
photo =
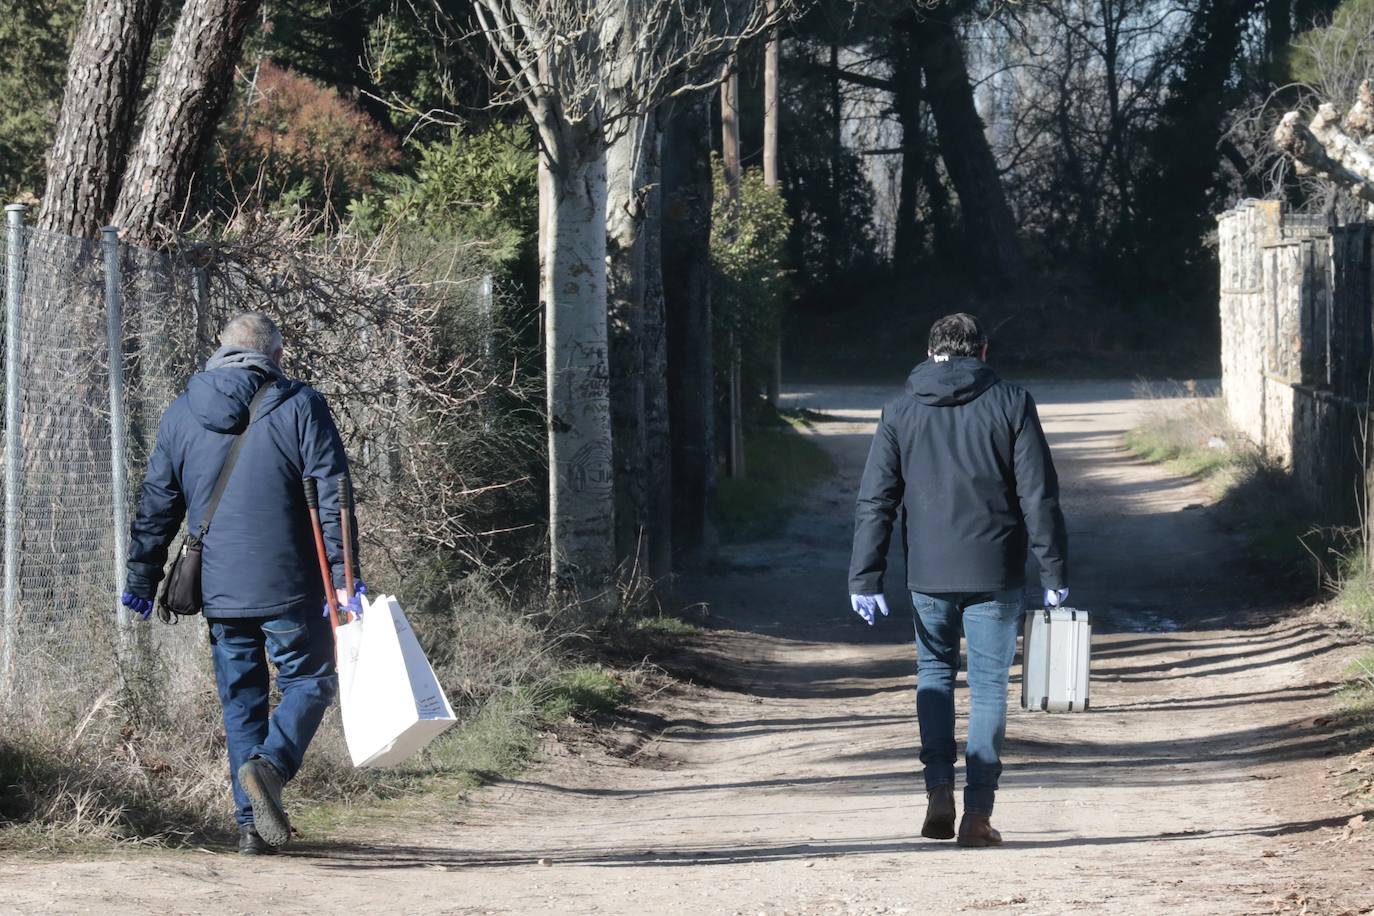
(219, 397)
(951, 381)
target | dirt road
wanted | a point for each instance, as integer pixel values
(786, 780)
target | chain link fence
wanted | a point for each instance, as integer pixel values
(99, 337)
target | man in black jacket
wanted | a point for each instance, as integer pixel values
(961, 454)
(259, 581)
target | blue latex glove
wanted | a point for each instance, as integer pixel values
(143, 607)
(866, 606)
(1054, 597)
(350, 608)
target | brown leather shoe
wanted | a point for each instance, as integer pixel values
(976, 831)
(939, 823)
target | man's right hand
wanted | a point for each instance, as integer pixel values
(866, 606)
(143, 607)
(1054, 597)
(350, 609)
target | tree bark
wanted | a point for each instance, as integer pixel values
(192, 89)
(729, 129)
(906, 103)
(658, 458)
(772, 52)
(104, 75)
(730, 160)
(687, 305)
(581, 470)
(988, 223)
(625, 255)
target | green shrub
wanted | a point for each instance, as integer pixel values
(474, 186)
(751, 279)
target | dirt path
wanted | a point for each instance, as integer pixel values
(786, 780)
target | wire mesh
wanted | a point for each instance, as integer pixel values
(358, 334)
(60, 615)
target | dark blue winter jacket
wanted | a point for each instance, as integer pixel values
(259, 555)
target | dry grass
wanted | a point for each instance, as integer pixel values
(1188, 430)
(146, 765)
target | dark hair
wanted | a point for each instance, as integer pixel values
(959, 334)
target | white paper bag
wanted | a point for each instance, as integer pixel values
(390, 700)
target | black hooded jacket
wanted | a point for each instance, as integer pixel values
(962, 455)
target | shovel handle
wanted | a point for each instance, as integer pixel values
(346, 526)
(312, 501)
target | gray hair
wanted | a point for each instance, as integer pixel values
(252, 331)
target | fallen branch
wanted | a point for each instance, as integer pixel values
(1323, 150)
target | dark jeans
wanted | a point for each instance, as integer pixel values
(990, 622)
(301, 647)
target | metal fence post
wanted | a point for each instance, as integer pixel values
(488, 307)
(14, 288)
(119, 458)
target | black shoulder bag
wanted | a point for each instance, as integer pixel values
(182, 596)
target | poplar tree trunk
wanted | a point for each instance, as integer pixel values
(687, 303)
(192, 89)
(625, 256)
(581, 472)
(988, 223)
(730, 161)
(772, 52)
(104, 75)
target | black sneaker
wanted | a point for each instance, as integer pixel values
(263, 784)
(250, 844)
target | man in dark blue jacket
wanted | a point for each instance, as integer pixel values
(260, 576)
(962, 456)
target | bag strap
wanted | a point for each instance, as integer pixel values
(232, 459)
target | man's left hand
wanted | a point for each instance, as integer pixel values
(143, 607)
(867, 606)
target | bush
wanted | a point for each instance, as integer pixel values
(473, 186)
(291, 143)
(748, 259)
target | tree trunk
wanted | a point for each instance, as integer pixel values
(988, 223)
(687, 305)
(581, 471)
(104, 75)
(729, 129)
(625, 162)
(730, 161)
(771, 112)
(906, 103)
(1278, 33)
(192, 89)
(658, 458)
(772, 54)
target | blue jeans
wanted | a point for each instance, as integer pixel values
(301, 647)
(990, 622)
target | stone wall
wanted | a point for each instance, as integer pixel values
(1296, 344)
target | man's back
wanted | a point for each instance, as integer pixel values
(258, 555)
(962, 453)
